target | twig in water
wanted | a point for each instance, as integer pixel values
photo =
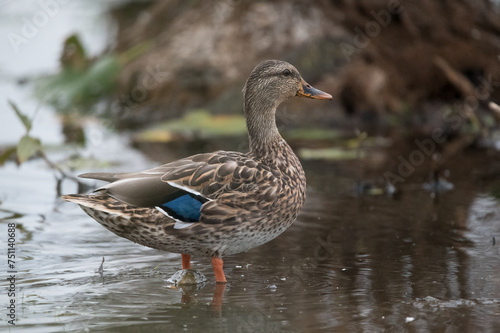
(101, 268)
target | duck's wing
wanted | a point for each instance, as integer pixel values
(203, 176)
(220, 188)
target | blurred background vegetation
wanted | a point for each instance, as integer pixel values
(174, 70)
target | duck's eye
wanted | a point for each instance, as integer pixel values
(286, 72)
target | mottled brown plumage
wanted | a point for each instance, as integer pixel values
(215, 203)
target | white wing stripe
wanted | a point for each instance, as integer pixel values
(178, 224)
(187, 189)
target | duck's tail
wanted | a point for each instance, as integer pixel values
(107, 204)
(138, 224)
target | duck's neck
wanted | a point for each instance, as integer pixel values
(260, 116)
(266, 143)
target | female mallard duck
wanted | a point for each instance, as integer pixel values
(215, 203)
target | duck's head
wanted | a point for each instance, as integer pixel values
(274, 81)
(269, 84)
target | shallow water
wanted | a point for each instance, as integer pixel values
(349, 263)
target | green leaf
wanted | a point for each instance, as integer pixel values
(79, 88)
(27, 147)
(24, 118)
(6, 154)
(73, 55)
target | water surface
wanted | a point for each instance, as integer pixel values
(350, 263)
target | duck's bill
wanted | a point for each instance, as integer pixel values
(306, 90)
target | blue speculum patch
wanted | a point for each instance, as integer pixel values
(185, 208)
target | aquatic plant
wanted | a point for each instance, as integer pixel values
(30, 147)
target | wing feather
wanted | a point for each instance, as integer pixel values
(231, 182)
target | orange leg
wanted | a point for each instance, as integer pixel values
(219, 273)
(186, 261)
